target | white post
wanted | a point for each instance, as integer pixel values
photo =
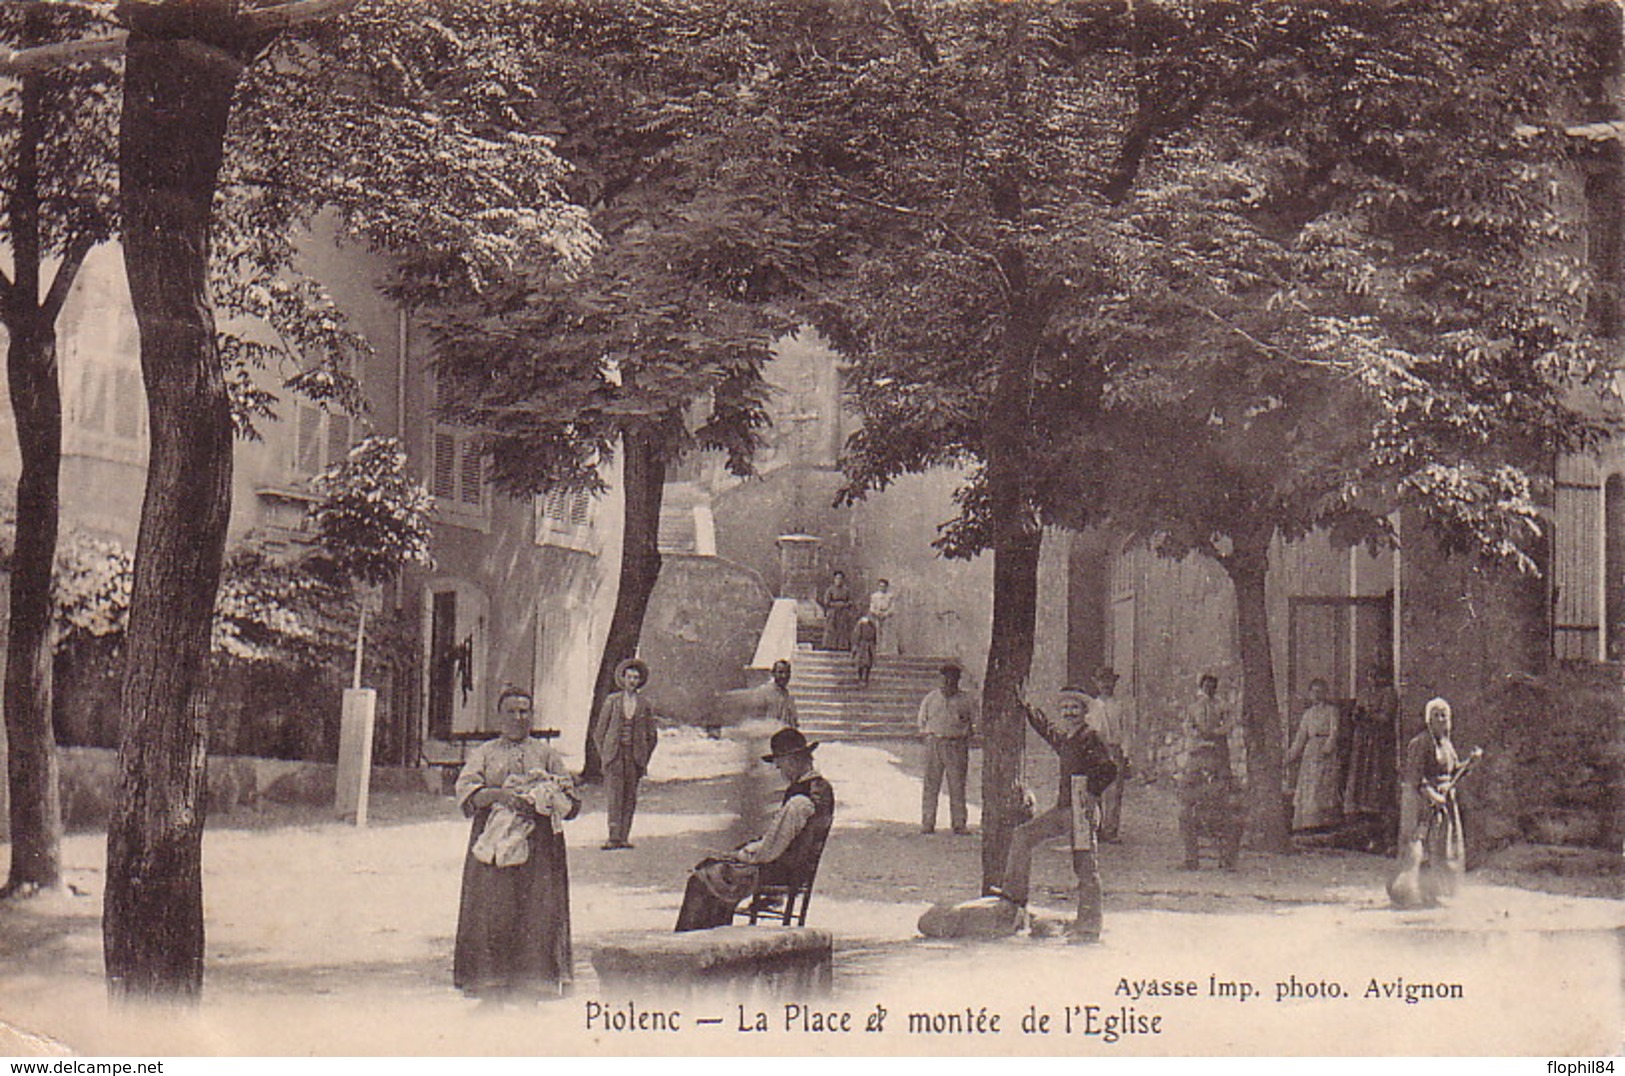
(355, 753)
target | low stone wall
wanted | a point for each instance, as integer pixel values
(1554, 760)
(89, 782)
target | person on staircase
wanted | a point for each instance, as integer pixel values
(865, 635)
(948, 718)
(840, 612)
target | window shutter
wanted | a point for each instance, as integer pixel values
(472, 472)
(445, 465)
(553, 504)
(580, 505)
(1576, 553)
(308, 440)
(338, 437)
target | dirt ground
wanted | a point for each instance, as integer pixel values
(328, 939)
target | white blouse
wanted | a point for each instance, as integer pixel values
(494, 761)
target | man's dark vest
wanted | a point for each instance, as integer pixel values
(1084, 755)
(808, 845)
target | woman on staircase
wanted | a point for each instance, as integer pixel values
(839, 613)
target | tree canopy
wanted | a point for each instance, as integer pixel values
(1205, 272)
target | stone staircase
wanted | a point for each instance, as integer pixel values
(680, 525)
(832, 705)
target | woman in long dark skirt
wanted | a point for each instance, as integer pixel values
(513, 920)
(1430, 830)
(840, 613)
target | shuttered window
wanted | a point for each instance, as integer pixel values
(458, 478)
(572, 508)
(1577, 560)
(470, 476)
(445, 465)
(320, 439)
(564, 517)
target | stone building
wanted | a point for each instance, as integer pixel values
(522, 587)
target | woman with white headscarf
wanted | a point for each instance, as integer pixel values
(1429, 819)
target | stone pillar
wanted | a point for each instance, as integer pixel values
(800, 573)
(355, 753)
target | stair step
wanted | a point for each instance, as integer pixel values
(857, 701)
(911, 703)
(850, 676)
(832, 705)
(922, 662)
(837, 718)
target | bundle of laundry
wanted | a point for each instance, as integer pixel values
(505, 840)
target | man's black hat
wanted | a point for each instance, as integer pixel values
(787, 742)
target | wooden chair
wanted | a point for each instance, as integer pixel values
(786, 901)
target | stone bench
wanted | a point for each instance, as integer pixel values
(755, 961)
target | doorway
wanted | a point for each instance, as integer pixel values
(1335, 639)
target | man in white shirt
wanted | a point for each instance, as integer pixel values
(773, 698)
(947, 720)
(1109, 717)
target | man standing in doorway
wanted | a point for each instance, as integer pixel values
(626, 741)
(947, 719)
(1109, 717)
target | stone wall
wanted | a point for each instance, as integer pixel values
(90, 784)
(700, 632)
(256, 709)
(1554, 759)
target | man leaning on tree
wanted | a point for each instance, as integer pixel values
(1086, 770)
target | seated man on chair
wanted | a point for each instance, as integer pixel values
(782, 855)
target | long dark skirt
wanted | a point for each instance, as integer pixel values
(838, 625)
(1371, 783)
(513, 923)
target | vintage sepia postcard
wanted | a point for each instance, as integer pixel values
(950, 528)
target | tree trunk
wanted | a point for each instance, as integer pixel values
(1004, 717)
(36, 404)
(643, 480)
(179, 80)
(1248, 568)
(1016, 541)
(36, 809)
